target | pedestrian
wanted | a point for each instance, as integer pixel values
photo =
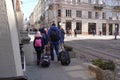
(67, 31)
(115, 34)
(100, 33)
(75, 32)
(38, 45)
(93, 32)
(45, 37)
(63, 33)
(55, 39)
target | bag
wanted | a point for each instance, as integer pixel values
(54, 36)
(64, 58)
(45, 60)
(38, 43)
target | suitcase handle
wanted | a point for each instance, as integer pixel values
(62, 47)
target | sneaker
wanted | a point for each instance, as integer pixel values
(58, 58)
(38, 62)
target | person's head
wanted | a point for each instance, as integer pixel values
(38, 34)
(53, 24)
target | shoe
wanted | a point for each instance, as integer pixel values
(58, 58)
(38, 62)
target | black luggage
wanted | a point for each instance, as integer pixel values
(64, 57)
(45, 60)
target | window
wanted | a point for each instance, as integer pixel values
(96, 15)
(89, 1)
(117, 16)
(104, 15)
(68, 0)
(78, 14)
(109, 2)
(110, 15)
(59, 13)
(78, 1)
(68, 13)
(89, 14)
(97, 1)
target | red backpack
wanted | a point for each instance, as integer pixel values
(38, 43)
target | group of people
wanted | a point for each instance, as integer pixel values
(48, 40)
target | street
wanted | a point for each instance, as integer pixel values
(92, 47)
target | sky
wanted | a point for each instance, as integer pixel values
(28, 6)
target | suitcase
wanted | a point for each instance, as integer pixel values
(45, 60)
(64, 57)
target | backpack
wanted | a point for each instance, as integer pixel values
(38, 43)
(54, 36)
(64, 58)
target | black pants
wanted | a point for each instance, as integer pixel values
(39, 52)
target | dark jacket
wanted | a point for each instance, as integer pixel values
(63, 33)
(45, 36)
(38, 48)
(59, 32)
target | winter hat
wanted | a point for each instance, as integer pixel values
(38, 34)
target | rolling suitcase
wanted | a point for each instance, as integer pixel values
(64, 56)
(45, 60)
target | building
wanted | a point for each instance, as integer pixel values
(11, 23)
(34, 18)
(87, 16)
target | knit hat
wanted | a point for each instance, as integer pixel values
(38, 34)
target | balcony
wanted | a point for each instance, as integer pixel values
(117, 8)
(98, 6)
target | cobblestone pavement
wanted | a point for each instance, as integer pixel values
(90, 47)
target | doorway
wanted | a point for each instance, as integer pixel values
(91, 28)
(79, 27)
(104, 29)
(110, 29)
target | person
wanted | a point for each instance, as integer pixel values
(44, 35)
(63, 34)
(100, 33)
(67, 31)
(75, 32)
(93, 32)
(54, 37)
(115, 34)
(38, 45)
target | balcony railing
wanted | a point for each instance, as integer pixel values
(117, 8)
(98, 6)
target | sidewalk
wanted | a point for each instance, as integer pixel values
(77, 70)
(83, 37)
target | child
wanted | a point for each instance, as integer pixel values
(38, 45)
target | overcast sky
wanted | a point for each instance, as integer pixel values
(28, 6)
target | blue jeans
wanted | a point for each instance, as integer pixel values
(52, 47)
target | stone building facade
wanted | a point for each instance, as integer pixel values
(10, 25)
(87, 16)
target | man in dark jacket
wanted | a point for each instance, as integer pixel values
(55, 40)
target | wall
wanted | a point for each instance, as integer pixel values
(10, 62)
